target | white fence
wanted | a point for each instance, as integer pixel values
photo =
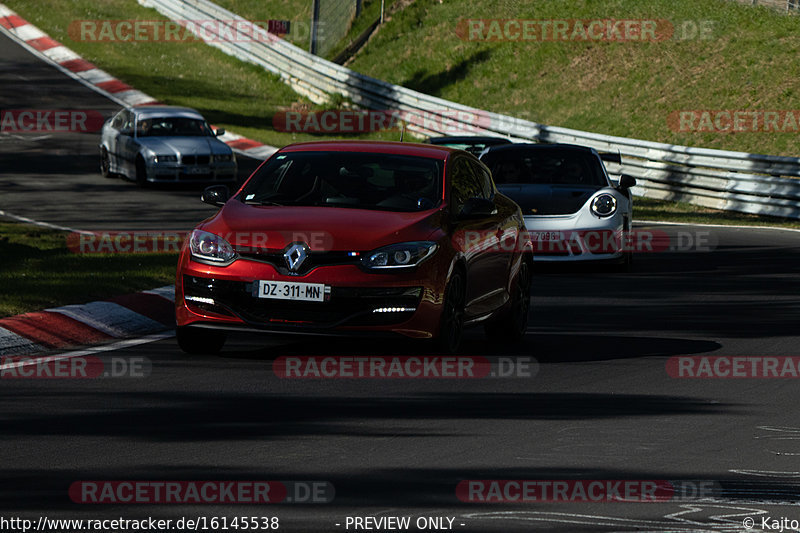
(735, 181)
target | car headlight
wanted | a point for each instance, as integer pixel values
(604, 205)
(401, 255)
(165, 159)
(223, 158)
(207, 247)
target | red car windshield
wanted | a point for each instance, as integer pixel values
(357, 180)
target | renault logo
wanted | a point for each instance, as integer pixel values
(295, 255)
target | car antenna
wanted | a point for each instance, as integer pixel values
(402, 131)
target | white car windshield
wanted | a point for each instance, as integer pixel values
(546, 167)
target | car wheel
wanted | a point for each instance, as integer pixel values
(141, 172)
(105, 164)
(511, 325)
(452, 322)
(196, 341)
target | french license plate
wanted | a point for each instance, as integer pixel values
(287, 290)
(546, 236)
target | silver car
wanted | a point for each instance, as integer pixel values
(164, 144)
(572, 209)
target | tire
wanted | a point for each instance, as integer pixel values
(105, 164)
(141, 173)
(200, 341)
(510, 327)
(452, 322)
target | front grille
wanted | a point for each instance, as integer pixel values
(195, 159)
(347, 306)
(183, 176)
(313, 260)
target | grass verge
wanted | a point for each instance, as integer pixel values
(681, 212)
(39, 271)
(747, 60)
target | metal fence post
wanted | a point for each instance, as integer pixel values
(314, 44)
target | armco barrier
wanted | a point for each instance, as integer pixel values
(735, 181)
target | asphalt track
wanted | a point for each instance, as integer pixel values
(601, 405)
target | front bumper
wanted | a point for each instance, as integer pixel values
(180, 173)
(225, 297)
(577, 237)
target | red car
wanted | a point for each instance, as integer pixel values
(357, 237)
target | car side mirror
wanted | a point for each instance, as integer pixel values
(220, 132)
(215, 195)
(626, 182)
(477, 208)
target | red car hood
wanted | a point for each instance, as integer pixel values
(322, 228)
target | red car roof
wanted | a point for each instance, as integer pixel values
(388, 147)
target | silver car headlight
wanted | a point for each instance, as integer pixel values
(210, 248)
(604, 205)
(165, 159)
(401, 255)
(223, 158)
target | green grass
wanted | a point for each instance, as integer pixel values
(298, 12)
(40, 271)
(681, 212)
(370, 12)
(623, 88)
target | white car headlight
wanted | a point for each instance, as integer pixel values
(223, 158)
(401, 255)
(207, 247)
(165, 159)
(604, 205)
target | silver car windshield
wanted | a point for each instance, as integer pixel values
(172, 127)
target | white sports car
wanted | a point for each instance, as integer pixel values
(164, 144)
(571, 207)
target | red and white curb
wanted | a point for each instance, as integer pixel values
(48, 49)
(124, 317)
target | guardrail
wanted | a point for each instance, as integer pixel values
(734, 181)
